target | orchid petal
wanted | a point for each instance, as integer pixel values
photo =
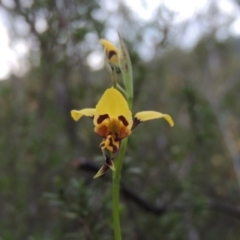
(113, 105)
(111, 52)
(150, 115)
(88, 112)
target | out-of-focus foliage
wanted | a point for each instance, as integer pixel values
(187, 170)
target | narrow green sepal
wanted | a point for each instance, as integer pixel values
(101, 171)
(111, 165)
(126, 68)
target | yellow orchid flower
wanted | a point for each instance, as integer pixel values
(113, 121)
(112, 54)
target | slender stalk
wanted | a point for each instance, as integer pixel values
(116, 188)
(114, 78)
(126, 72)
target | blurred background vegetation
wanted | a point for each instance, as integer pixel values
(178, 183)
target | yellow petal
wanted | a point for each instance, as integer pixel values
(88, 112)
(149, 115)
(111, 51)
(113, 105)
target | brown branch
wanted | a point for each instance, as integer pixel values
(82, 164)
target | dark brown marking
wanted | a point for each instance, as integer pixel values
(123, 120)
(104, 168)
(111, 144)
(116, 137)
(109, 161)
(101, 118)
(135, 123)
(111, 53)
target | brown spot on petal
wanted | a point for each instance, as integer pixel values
(109, 161)
(123, 120)
(135, 123)
(111, 54)
(101, 118)
(116, 137)
(111, 144)
(101, 171)
(105, 167)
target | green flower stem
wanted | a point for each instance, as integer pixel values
(126, 72)
(122, 90)
(116, 189)
(114, 79)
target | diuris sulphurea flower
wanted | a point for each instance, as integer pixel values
(113, 122)
(111, 55)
